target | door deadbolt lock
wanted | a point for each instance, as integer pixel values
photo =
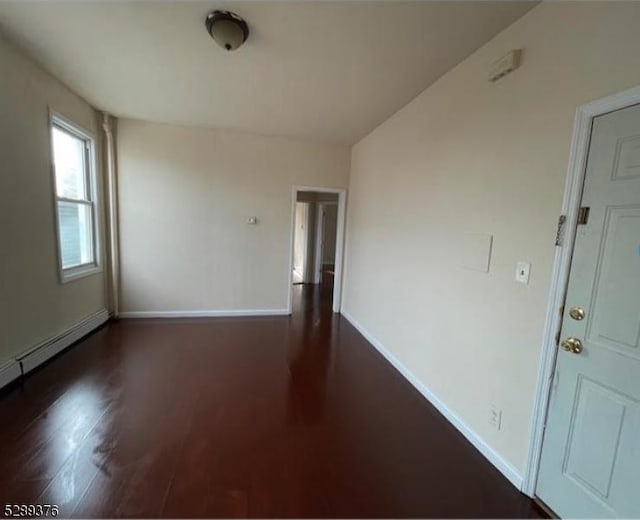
(577, 313)
(573, 345)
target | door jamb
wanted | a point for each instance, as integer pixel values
(561, 265)
(340, 232)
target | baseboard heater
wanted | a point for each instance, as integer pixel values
(34, 357)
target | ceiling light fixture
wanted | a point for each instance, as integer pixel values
(227, 29)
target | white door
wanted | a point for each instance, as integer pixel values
(590, 465)
(300, 238)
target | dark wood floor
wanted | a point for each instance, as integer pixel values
(260, 417)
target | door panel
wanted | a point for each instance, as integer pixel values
(598, 420)
(617, 326)
(627, 160)
(590, 465)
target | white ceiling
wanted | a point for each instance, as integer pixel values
(329, 71)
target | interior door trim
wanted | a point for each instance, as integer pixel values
(561, 264)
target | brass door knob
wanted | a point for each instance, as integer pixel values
(573, 345)
(577, 313)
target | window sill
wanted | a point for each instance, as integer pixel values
(76, 273)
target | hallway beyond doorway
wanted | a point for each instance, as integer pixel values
(317, 239)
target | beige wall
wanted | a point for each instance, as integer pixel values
(468, 156)
(34, 306)
(185, 196)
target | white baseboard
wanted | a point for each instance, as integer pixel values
(204, 314)
(511, 473)
(9, 371)
(53, 346)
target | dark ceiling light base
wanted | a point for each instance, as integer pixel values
(227, 29)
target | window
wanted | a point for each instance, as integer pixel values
(75, 189)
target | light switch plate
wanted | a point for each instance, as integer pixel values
(522, 272)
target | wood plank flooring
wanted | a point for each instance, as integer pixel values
(262, 417)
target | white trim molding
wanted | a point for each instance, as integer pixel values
(233, 313)
(561, 265)
(49, 348)
(9, 371)
(509, 471)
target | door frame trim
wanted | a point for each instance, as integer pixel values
(561, 266)
(340, 233)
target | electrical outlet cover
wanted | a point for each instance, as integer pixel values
(522, 272)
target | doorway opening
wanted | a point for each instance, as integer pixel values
(317, 240)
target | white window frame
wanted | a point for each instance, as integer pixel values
(84, 270)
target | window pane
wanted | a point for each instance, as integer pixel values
(68, 157)
(76, 230)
